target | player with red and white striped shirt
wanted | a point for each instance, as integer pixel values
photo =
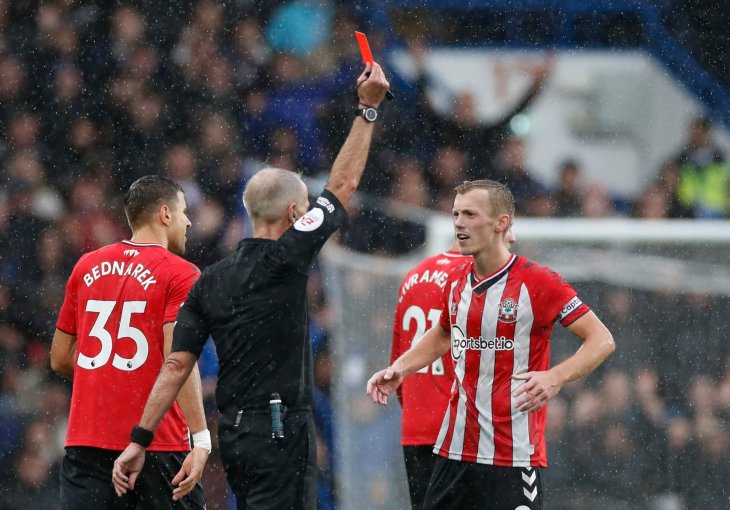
(424, 396)
(498, 312)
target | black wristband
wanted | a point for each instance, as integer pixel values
(142, 437)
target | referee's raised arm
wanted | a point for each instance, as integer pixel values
(350, 162)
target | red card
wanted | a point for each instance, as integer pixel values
(362, 41)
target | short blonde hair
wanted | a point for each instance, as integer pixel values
(500, 198)
(269, 192)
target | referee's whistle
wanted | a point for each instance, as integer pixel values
(277, 423)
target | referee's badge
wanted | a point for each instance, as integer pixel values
(507, 311)
(310, 221)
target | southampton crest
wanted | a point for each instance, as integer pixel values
(508, 311)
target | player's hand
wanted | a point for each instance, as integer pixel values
(127, 468)
(372, 85)
(382, 384)
(539, 387)
(190, 473)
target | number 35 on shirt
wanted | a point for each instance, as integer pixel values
(99, 330)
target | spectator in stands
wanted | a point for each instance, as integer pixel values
(250, 53)
(180, 165)
(616, 394)
(705, 176)
(668, 182)
(448, 169)
(30, 486)
(408, 182)
(128, 28)
(648, 420)
(216, 142)
(12, 85)
(461, 126)
(710, 469)
(597, 203)
(512, 167)
(23, 133)
(652, 204)
(300, 27)
(569, 191)
(46, 203)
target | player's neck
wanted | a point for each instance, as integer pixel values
(149, 235)
(490, 261)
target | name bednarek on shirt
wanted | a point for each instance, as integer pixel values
(120, 268)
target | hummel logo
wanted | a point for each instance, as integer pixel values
(529, 480)
(131, 253)
(530, 495)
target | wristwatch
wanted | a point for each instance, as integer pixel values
(369, 114)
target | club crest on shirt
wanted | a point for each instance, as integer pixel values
(507, 311)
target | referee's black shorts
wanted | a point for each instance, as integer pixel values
(86, 482)
(419, 461)
(467, 485)
(266, 473)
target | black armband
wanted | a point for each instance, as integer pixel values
(142, 437)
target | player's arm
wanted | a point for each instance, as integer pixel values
(434, 344)
(190, 397)
(395, 347)
(597, 345)
(188, 338)
(539, 75)
(175, 372)
(350, 162)
(190, 400)
(63, 353)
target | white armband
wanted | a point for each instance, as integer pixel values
(202, 440)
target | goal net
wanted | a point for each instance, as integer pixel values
(662, 287)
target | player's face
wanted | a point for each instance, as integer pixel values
(473, 222)
(179, 225)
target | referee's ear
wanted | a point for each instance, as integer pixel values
(292, 211)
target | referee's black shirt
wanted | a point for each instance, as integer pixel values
(253, 304)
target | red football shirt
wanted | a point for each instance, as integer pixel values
(425, 394)
(117, 300)
(500, 326)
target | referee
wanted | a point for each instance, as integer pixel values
(253, 305)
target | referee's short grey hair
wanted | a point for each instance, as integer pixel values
(269, 192)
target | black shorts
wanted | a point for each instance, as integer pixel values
(467, 485)
(420, 461)
(267, 473)
(86, 482)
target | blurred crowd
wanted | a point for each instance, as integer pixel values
(651, 428)
(95, 94)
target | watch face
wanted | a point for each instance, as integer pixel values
(370, 114)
